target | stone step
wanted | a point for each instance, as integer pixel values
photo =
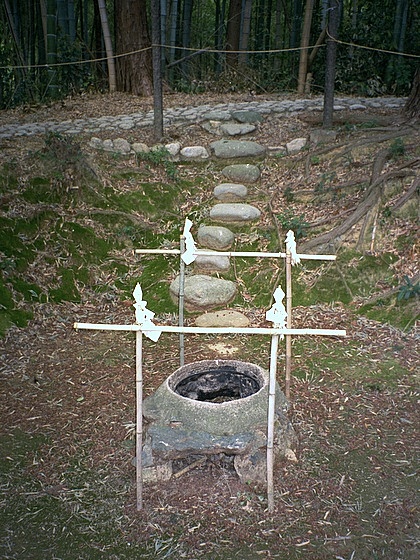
(226, 149)
(216, 238)
(230, 192)
(242, 173)
(212, 263)
(234, 212)
(203, 292)
(222, 318)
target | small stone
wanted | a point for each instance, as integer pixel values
(96, 143)
(230, 192)
(217, 238)
(157, 473)
(213, 127)
(108, 145)
(121, 146)
(194, 152)
(244, 173)
(290, 455)
(140, 148)
(322, 136)
(251, 468)
(173, 148)
(223, 318)
(234, 212)
(296, 145)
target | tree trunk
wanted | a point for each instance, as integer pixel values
(334, 19)
(246, 27)
(112, 77)
(52, 48)
(219, 34)
(72, 20)
(412, 106)
(173, 29)
(186, 33)
(134, 71)
(233, 32)
(157, 72)
(304, 43)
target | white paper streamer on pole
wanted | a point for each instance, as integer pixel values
(277, 313)
(144, 316)
(291, 247)
(190, 253)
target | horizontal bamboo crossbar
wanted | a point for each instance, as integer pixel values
(210, 330)
(255, 254)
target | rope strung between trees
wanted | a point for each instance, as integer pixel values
(206, 50)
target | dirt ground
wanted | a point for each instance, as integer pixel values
(68, 488)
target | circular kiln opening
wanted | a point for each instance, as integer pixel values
(219, 383)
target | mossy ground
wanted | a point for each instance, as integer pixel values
(67, 484)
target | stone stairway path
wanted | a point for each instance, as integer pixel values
(205, 289)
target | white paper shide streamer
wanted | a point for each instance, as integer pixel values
(277, 313)
(190, 253)
(144, 316)
(291, 247)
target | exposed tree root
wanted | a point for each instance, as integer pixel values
(368, 209)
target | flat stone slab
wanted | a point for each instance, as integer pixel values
(230, 192)
(234, 212)
(175, 443)
(217, 238)
(237, 129)
(202, 292)
(242, 172)
(226, 149)
(216, 115)
(247, 116)
(222, 318)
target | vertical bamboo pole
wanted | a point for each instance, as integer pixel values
(289, 322)
(270, 426)
(139, 418)
(181, 301)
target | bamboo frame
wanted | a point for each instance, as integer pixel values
(270, 420)
(181, 295)
(288, 364)
(275, 333)
(210, 330)
(255, 254)
(139, 418)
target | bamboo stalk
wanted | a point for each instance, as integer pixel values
(256, 254)
(139, 418)
(270, 420)
(210, 330)
(181, 301)
(288, 364)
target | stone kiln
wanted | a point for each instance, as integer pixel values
(213, 407)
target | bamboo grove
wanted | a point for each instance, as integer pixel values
(50, 49)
